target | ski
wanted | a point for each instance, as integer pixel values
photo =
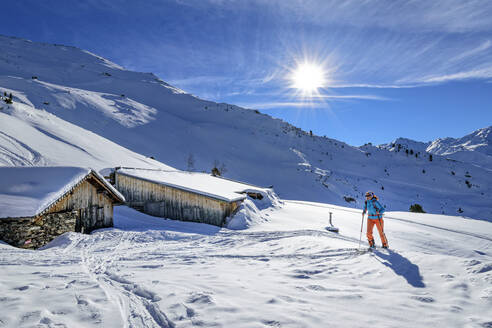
(379, 249)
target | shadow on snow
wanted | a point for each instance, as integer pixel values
(402, 267)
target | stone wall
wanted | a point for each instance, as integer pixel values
(36, 232)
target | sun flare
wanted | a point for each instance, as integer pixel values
(308, 77)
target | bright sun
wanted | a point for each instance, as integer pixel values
(308, 78)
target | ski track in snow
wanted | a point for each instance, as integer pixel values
(141, 309)
(287, 272)
(136, 304)
(13, 152)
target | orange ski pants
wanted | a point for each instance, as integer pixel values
(380, 225)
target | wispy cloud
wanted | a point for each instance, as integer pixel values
(437, 15)
(282, 104)
(484, 73)
(372, 86)
(472, 52)
(211, 79)
(315, 101)
(380, 44)
(200, 80)
(342, 97)
(392, 44)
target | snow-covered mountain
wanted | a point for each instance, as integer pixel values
(478, 141)
(403, 144)
(475, 148)
(71, 106)
(38, 138)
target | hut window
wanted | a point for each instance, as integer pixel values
(255, 195)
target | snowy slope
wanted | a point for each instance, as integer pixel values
(286, 272)
(35, 137)
(140, 112)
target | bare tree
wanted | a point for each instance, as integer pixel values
(190, 162)
(218, 169)
(215, 171)
(222, 169)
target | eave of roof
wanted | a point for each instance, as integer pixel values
(115, 193)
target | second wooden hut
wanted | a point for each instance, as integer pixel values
(179, 195)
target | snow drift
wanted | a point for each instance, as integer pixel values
(252, 211)
(284, 272)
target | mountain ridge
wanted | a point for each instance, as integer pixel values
(474, 148)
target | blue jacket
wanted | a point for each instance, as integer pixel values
(373, 208)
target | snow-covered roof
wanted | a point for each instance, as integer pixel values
(28, 191)
(109, 186)
(200, 183)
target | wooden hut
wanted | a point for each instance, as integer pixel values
(178, 195)
(39, 203)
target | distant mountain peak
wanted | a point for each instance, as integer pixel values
(404, 143)
(478, 141)
(475, 148)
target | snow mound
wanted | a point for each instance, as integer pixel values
(269, 198)
(247, 216)
(250, 211)
(63, 241)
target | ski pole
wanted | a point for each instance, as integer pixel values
(361, 225)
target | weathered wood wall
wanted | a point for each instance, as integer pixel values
(95, 207)
(168, 202)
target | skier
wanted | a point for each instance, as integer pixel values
(374, 217)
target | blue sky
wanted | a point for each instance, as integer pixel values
(415, 69)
